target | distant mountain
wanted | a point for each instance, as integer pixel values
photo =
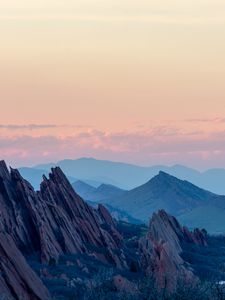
(189, 203)
(103, 193)
(127, 176)
(83, 189)
(34, 176)
(118, 214)
(101, 171)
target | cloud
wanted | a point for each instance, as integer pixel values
(28, 126)
(37, 126)
(206, 120)
(157, 145)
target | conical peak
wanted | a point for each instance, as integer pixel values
(166, 176)
(163, 177)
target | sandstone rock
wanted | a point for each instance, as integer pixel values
(162, 248)
(105, 215)
(54, 220)
(17, 280)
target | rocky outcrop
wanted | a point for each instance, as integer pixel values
(162, 247)
(76, 223)
(17, 280)
(50, 222)
(165, 227)
(105, 216)
(54, 220)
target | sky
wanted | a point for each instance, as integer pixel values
(135, 81)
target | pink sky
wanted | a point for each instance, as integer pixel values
(135, 81)
(199, 143)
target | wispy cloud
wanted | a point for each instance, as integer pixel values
(28, 126)
(37, 126)
(206, 120)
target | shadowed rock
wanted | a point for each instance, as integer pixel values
(17, 280)
(162, 248)
(54, 220)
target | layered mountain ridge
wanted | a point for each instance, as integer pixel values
(128, 176)
(179, 198)
(104, 193)
(56, 228)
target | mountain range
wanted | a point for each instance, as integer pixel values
(193, 206)
(103, 193)
(125, 176)
(54, 245)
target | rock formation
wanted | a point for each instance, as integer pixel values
(50, 222)
(55, 221)
(17, 279)
(162, 247)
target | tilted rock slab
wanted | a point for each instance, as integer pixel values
(162, 247)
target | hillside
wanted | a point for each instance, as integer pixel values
(128, 176)
(103, 193)
(187, 202)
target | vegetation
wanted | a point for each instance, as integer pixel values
(147, 290)
(208, 262)
(101, 287)
(80, 277)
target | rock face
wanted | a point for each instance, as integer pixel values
(17, 279)
(54, 220)
(74, 223)
(162, 247)
(50, 222)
